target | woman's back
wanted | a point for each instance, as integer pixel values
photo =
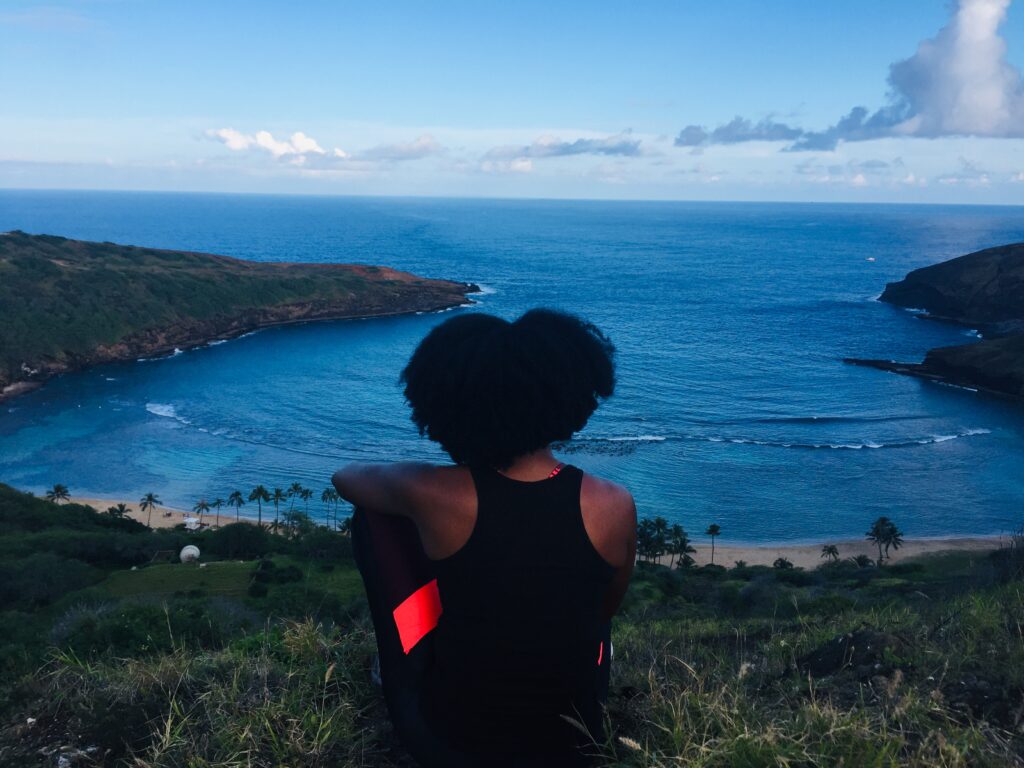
(519, 640)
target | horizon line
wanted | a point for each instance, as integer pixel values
(524, 198)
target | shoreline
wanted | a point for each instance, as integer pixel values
(20, 387)
(808, 555)
(163, 516)
(802, 554)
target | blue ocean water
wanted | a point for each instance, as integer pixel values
(733, 405)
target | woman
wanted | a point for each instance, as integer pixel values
(531, 556)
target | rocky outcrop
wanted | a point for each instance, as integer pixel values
(70, 304)
(982, 290)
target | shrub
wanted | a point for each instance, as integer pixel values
(239, 541)
(40, 579)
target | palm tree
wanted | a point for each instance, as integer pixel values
(830, 551)
(306, 495)
(679, 544)
(259, 494)
(882, 531)
(660, 527)
(277, 498)
(201, 507)
(326, 497)
(237, 501)
(147, 504)
(58, 493)
(713, 531)
(120, 510)
(863, 561)
(293, 490)
(782, 564)
(217, 504)
(893, 537)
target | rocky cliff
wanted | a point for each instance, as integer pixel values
(982, 290)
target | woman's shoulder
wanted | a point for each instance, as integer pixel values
(609, 516)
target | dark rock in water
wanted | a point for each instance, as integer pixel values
(983, 290)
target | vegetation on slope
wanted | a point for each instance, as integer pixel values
(69, 303)
(920, 663)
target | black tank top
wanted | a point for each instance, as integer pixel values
(518, 642)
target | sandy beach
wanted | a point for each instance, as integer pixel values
(809, 555)
(162, 517)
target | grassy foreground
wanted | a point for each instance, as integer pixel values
(244, 663)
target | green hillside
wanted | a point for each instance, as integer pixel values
(69, 303)
(262, 657)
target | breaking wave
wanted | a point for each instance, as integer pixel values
(623, 444)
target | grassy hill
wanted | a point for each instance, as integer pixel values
(261, 658)
(69, 303)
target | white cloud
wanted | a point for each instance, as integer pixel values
(297, 146)
(958, 83)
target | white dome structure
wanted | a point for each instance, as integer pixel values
(189, 553)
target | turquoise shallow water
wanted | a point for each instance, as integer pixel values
(733, 405)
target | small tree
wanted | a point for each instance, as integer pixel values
(884, 533)
(236, 500)
(862, 561)
(201, 508)
(277, 498)
(782, 564)
(119, 510)
(679, 546)
(893, 538)
(58, 493)
(260, 495)
(830, 551)
(147, 504)
(217, 504)
(713, 531)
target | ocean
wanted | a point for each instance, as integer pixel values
(730, 319)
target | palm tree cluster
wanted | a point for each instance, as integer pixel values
(885, 534)
(655, 538)
(291, 519)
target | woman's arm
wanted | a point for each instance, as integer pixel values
(384, 488)
(620, 581)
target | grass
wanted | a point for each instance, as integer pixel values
(916, 664)
(223, 578)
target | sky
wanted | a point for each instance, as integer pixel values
(916, 101)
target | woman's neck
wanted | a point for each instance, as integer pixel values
(536, 465)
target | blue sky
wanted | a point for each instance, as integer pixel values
(917, 101)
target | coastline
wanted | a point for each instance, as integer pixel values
(24, 386)
(801, 554)
(808, 556)
(163, 516)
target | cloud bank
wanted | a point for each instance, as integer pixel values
(957, 83)
(620, 144)
(302, 150)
